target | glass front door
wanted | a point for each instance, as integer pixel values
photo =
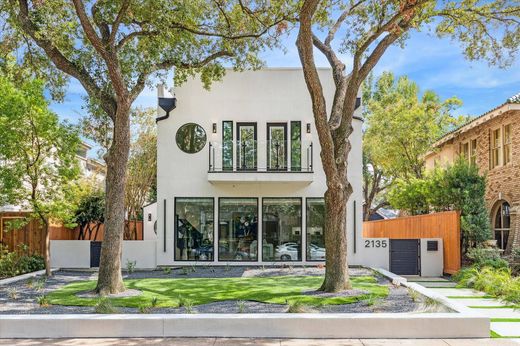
(246, 146)
(277, 147)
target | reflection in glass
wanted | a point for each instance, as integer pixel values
(315, 227)
(238, 229)
(296, 145)
(190, 138)
(277, 147)
(502, 225)
(227, 145)
(194, 229)
(282, 229)
(246, 146)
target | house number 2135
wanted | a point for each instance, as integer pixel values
(376, 243)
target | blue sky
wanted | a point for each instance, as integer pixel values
(433, 63)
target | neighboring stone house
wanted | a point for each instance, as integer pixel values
(492, 142)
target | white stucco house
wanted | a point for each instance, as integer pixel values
(239, 173)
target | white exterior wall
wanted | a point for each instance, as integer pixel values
(269, 95)
(432, 262)
(70, 253)
(149, 219)
(142, 252)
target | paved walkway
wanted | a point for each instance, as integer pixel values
(505, 322)
(259, 342)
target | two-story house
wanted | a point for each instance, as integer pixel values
(492, 142)
(239, 173)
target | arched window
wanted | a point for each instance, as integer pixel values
(502, 224)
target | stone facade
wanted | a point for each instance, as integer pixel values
(503, 180)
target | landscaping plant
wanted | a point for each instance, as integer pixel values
(496, 282)
(13, 263)
(104, 306)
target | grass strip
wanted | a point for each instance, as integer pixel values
(494, 307)
(505, 320)
(471, 297)
(173, 292)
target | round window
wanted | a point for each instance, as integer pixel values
(191, 138)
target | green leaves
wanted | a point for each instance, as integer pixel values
(402, 124)
(37, 151)
(458, 187)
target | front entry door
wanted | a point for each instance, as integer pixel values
(404, 256)
(246, 146)
(277, 147)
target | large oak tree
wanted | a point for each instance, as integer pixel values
(367, 28)
(114, 47)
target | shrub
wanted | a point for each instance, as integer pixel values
(18, 262)
(297, 307)
(130, 266)
(495, 282)
(12, 292)
(486, 257)
(43, 301)
(104, 306)
(241, 305)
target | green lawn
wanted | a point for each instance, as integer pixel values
(278, 290)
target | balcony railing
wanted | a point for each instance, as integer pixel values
(275, 156)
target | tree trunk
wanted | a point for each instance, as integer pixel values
(47, 256)
(110, 279)
(336, 270)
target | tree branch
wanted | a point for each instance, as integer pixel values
(59, 60)
(117, 21)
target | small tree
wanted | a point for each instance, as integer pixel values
(90, 214)
(458, 187)
(38, 155)
(402, 124)
(142, 167)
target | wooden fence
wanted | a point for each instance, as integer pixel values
(33, 235)
(445, 225)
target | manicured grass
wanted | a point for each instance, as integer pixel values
(495, 335)
(505, 320)
(470, 297)
(169, 292)
(493, 307)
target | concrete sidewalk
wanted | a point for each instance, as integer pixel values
(259, 342)
(505, 322)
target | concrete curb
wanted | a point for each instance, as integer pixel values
(366, 325)
(8, 281)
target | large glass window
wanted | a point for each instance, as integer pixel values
(191, 138)
(227, 145)
(296, 145)
(238, 229)
(194, 229)
(502, 224)
(315, 227)
(282, 229)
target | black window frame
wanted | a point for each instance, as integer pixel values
(301, 229)
(307, 243)
(268, 138)
(258, 211)
(176, 224)
(254, 124)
